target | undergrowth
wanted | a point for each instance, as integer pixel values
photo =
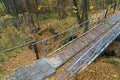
(112, 61)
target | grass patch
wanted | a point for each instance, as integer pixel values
(112, 61)
(47, 16)
(1, 76)
(2, 58)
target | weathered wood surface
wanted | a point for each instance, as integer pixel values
(34, 71)
(78, 45)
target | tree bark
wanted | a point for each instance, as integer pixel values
(61, 9)
(77, 11)
(85, 13)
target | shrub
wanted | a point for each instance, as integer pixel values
(112, 61)
(46, 16)
(2, 58)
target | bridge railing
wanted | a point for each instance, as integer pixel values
(56, 42)
(86, 58)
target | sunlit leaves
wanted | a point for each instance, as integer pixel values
(6, 16)
(11, 37)
(74, 11)
(2, 58)
(39, 7)
(91, 7)
(20, 15)
(74, 7)
(116, 76)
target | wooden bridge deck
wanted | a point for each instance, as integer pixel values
(67, 56)
(79, 45)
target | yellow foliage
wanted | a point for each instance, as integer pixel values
(4, 37)
(39, 7)
(20, 15)
(74, 7)
(91, 7)
(115, 76)
(7, 16)
(75, 11)
(11, 33)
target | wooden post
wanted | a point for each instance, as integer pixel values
(118, 38)
(105, 14)
(36, 51)
(114, 8)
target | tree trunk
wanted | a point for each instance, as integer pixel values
(61, 9)
(77, 11)
(96, 4)
(85, 13)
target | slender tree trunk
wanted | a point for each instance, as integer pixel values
(85, 13)
(96, 4)
(61, 9)
(114, 7)
(77, 11)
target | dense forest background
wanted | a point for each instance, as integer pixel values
(22, 20)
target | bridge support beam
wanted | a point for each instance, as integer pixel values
(118, 38)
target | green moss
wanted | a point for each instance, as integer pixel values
(112, 61)
(47, 16)
(2, 58)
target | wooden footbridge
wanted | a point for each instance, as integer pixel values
(72, 51)
(74, 56)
